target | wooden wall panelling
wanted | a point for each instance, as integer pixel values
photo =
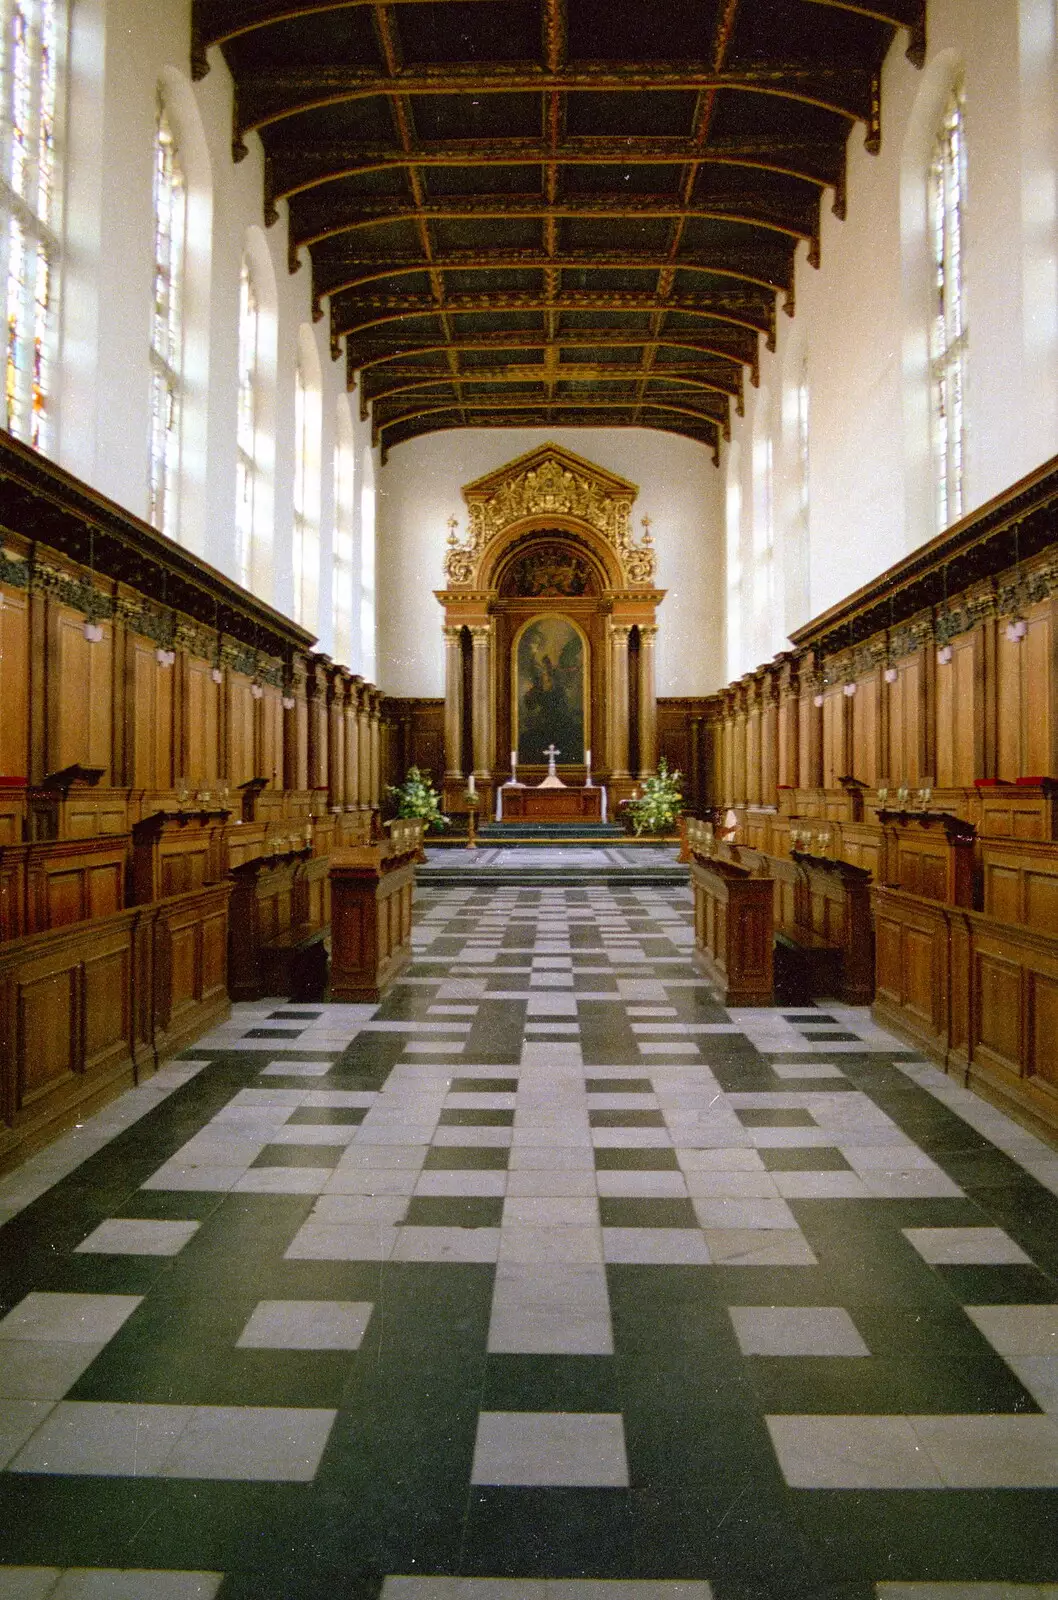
(863, 709)
(70, 881)
(1018, 811)
(788, 719)
(1039, 685)
(87, 1010)
(199, 747)
(835, 757)
(240, 722)
(336, 689)
(769, 738)
(316, 691)
(739, 774)
(959, 714)
(150, 701)
(1019, 882)
(268, 730)
(79, 692)
(12, 891)
(754, 746)
(14, 682)
(296, 729)
(912, 974)
(189, 936)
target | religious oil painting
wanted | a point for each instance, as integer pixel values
(549, 699)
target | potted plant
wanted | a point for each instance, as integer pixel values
(655, 808)
(417, 797)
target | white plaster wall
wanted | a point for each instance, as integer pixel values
(680, 490)
(120, 51)
(855, 323)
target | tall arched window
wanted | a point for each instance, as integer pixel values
(734, 560)
(308, 423)
(247, 467)
(166, 353)
(344, 590)
(947, 194)
(368, 604)
(32, 47)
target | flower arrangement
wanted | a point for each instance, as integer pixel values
(417, 797)
(656, 807)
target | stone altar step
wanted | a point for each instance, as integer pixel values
(519, 832)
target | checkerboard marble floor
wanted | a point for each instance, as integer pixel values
(548, 1277)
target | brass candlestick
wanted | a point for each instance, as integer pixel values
(472, 822)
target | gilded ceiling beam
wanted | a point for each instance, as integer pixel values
(470, 208)
(909, 14)
(218, 24)
(499, 376)
(264, 100)
(296, 171)
(700, 433)
(560, 403)
(373, 353)
(353, 272)
(423, 306)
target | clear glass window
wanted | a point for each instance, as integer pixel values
(948, 345)
(166, 353)
(247, 466)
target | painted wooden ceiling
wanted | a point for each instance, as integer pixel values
(554, 212)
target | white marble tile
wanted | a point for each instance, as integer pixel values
(68, 1318)
(446, 1244)
(556, 1449)
(306, 1325)
(1030, 1330)
(666, 1247)
(796, 1331)
(861, 1452)
(127, 1236)
(965, 1246)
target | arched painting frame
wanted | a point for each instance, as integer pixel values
(550, 698)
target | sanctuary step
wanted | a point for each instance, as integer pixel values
(520, 832)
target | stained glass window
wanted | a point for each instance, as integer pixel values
(247, 465)
(948, 338)
(166, 354)
(30, 61)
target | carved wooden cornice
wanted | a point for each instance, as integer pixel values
(62, 517)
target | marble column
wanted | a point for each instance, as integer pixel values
(648, 702)
(619, 633)
(453, 703)
(481, 699)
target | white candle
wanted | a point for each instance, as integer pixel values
(470, 785)
(587, 758)
(514, 758)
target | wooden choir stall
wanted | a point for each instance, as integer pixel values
(176, 768)
(898, 766)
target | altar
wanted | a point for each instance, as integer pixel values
(552, 805)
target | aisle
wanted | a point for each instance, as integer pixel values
(548, 1268)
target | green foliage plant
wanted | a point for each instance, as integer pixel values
(659, 803)
(417, 797)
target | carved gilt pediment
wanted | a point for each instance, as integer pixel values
(549, 482)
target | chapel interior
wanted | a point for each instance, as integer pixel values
(538, 399)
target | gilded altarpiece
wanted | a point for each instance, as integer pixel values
(550, 625)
